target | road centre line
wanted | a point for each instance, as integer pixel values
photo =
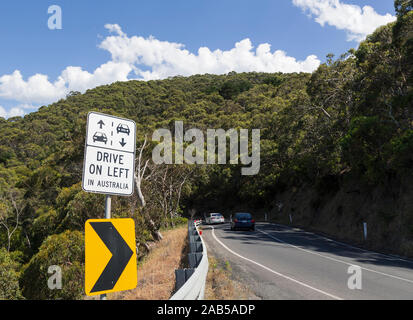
(333, 259)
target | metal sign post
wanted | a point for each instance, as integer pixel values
(365, 230)
(108, 205)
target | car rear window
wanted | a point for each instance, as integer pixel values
(245, 216)
(216, 215)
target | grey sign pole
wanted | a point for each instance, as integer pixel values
(108, 205)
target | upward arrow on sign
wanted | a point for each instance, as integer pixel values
(101, 124)
(121, 254)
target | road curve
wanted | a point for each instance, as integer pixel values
(280, 262)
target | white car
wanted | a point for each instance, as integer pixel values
(214, 218)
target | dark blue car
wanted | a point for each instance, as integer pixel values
(242, 220)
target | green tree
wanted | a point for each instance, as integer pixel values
(403, 6)
(11, 210)
(65, 250)
(9, 277)
(231, 88)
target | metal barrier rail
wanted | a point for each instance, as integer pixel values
(190, 283)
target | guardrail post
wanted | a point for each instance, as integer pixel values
(195, 247)
(194, 259)
(188, 273)
(194, 238)
(179, 278)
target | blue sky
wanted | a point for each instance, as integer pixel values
(293, 35)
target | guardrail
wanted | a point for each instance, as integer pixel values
(190, 282)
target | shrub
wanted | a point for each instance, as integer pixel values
(231, 88)
(65, 250)
(178, 220)
(9, 278)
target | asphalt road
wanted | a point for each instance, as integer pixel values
(279, 262)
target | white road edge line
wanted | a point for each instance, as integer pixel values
(275, 272)
(333, 259)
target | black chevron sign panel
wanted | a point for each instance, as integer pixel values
(110, 256)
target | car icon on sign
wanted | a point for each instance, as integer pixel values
(123, 128)
(100, 136)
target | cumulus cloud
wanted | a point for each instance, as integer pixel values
(13, 112)
(16, 111)
(36, 89)
(19, 110)
(167, 59)
(3, 112)
(358, 22)
(76, 79)
(147, 58)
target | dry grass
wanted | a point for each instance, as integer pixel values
(221, 286)
(156, 274)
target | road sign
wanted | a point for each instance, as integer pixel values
(109, 161)
(110, 256)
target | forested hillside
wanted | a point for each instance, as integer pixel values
(336, 150)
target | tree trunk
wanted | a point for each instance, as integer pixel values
(156, 234)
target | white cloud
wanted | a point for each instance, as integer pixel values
(358, 22)
(19, 110)
(3, 112)
(76, 79)
(13, 112)
(147, 58)
(37, 89)
(16, 111)
(167, 59)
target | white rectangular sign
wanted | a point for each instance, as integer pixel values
(109, 161)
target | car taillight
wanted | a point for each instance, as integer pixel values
(235, 220)
(253, 221)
